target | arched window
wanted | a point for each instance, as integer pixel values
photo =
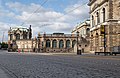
(93, 21)
(68, 43)
(17, 36)
(88, 30)
(11, 36)
(98, 18)
(48, 44)
(54, 43)
(73, 43)
(25, 36)
(103, 14)
(61, 44)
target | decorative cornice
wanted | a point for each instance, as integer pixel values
(98, 5)
(91, 2)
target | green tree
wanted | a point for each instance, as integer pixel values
(4, 45)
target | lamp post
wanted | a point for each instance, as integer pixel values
(38, 42)
(77, 41)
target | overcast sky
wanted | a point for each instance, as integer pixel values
(53, 16)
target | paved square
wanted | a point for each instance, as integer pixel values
(28, 65)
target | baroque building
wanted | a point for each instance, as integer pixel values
(105, 25)
(18, 33)
(20, 39)
(56, 42)
(83, 29)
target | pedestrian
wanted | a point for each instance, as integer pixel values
(22, 50)
(18, 50)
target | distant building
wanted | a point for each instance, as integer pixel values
(84, 33)
(105, 25)
(56, 42)
(21, 39)
(83, 29)
(18, 33)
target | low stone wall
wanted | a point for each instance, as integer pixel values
(25, 50)
(57, 50)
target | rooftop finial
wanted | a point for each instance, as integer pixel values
(30, 26)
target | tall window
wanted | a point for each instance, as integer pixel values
(103, 14)
(48, 44)
(25, 36)
(17, 36)
(93, 21)
(61, 44)
(68, 43)
(73, 43)
(54, 43)
(98, 18)
(11, 36)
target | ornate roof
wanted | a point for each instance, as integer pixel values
(19, 28)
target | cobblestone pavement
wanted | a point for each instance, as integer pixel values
(59, 66)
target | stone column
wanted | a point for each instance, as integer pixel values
(44, 43)
(51, 45)
(64, 43)
(57, 43)
(109, 40)
(70, 43)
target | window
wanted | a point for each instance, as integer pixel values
(11, 36)
(98, 18)
(42, 44)
(87, 31)
(103, 14)
(17, 36)
(48, 44)
(61, 44)
(93, 21)
(73, 43)
(25, 36)
(54, 44)
(68, 43)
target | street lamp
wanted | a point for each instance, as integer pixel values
(77, 40)
(38, 42)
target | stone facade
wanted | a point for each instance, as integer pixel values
(21, 39)
(105, 13)
(84, 33)
(56, 42)
(19, 33)
(83, 29)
